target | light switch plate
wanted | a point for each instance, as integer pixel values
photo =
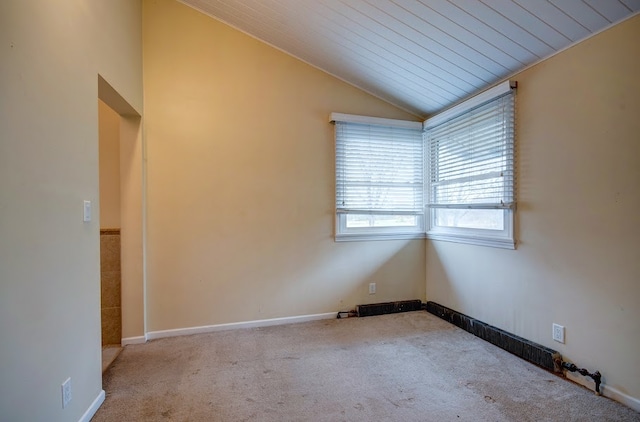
(87, 211)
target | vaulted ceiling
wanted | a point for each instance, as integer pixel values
(421, 55)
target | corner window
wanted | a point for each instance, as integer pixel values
(466, 194)
(471, 178)
(379, 178)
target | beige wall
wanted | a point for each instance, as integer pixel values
(240, 196)
(132, 226)
(109, 163)
(51, 55)
(578, 259)
(241, 182)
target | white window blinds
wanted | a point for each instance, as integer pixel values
(379, 169)
(471, 157)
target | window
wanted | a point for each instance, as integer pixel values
(468, 192)
(379, 178)
(471, 195)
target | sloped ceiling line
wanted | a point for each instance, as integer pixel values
(421, 55)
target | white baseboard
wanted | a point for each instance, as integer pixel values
(235, 325)
(133, 340)
(609, 392)
(621, 397)
(93, 408)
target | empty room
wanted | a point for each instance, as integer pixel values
(357, 210)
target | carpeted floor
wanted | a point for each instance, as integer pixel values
(109, 354)
(401, 367)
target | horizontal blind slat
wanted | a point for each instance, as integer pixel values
(471, 159)
(379, 169)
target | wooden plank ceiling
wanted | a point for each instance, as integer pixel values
(422, 55)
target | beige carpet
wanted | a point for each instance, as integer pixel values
(109, 354)
(402, 367)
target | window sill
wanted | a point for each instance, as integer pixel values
(474, 240)
(363, 237)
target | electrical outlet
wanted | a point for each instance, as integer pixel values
(558, 333)
(66, 392)
(372, 288)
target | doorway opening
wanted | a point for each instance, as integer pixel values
(121, 223)
(110, 245)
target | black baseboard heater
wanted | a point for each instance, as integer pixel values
(388, 308)
(528, 350)
(533, 352)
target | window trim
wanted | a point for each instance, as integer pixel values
(426, 228)
(482, 237)
(341, 231)
(345, 234)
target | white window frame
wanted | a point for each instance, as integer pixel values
(426, 222)
(495, 238)
(344, 233)
(482, 237)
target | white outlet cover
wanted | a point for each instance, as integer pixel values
(66, 392)
(558, 333)
(372, 288)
